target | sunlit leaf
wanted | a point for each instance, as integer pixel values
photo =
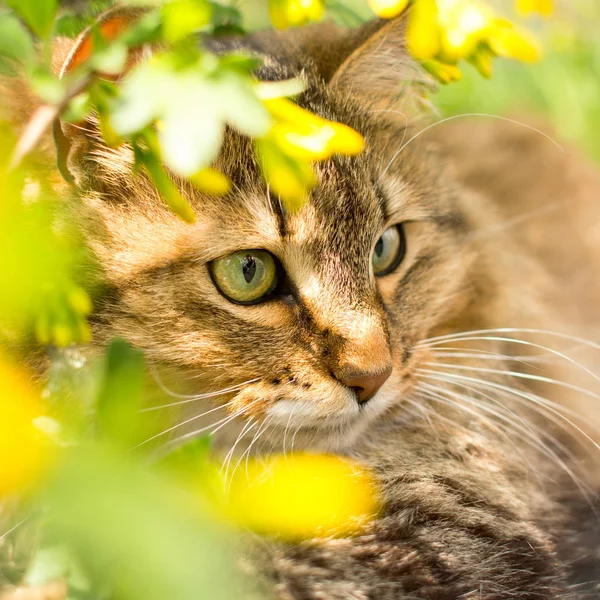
(291, 180)
(543, 7)
(211, 182)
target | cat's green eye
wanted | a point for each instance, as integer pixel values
(245, 277)
(389, 250)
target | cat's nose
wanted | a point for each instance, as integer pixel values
(366, 384)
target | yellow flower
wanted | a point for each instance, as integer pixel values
(442, 72)
(482, 61)
(298, 138)
(387, 9)
(303, 135)
(294, 13)
(423, 32)
(509, 42)
(303, 496)
(543, 7)
(464, 25)
(290, 179)
(211, 182)
(23, 454)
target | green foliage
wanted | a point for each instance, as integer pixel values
(16, 44)
(37, 14)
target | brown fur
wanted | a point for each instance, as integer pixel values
(502, 231)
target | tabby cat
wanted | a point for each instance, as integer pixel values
(424, 313)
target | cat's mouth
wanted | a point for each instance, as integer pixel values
(309, 422)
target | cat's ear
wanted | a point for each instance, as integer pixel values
(73, 140)
(379, 69)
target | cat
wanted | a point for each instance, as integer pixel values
(398, 318)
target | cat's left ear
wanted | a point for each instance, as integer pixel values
(380, 70)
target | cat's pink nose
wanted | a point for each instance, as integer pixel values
(366, 384)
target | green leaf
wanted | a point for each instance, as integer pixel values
(121, 393)
(111, 59)
(69, 25)
(165, 186)
(189, 457)
(226, 19)
(37, 14)
(137, 534)
(181, 18)
(78, 109)
(16, 44)
(47, 87)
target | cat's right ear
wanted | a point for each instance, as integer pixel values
(73, 140)
(379, 71)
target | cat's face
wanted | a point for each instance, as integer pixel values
(306, 320)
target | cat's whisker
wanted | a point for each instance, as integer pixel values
(529, 377)
(257, 434)
(247, 427)
(531, 438)
(455, 117)
(227, 461)
(186, 398)
(511, 330)
(533, 398)
(14, 528)
(455, 352)
(458, 397)
(539, 346)
(287, 426)
(556, 443)
(436, 394)
(221, 423)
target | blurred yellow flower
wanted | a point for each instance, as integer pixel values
(333, 138)
(482, 61)
(23, 453)
(509, 42)
(387, 9)
(211, 182)
(303, 496)
(423, 32)
(294, 13)
(543, 7)
(296, 139)
(441, 33)
(444, 73)
(464, 25)
(291, 179)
